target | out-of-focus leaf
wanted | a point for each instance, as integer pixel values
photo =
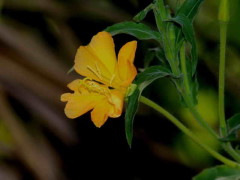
(230, 137)
(16, 74)
(234, 123)
(36, 157)
(222, 172)
(189, 8)
(142, 81)
(138, 30)
(234, 127)
(35, 53)
(142, 14)
(52, 119)
(188, 32)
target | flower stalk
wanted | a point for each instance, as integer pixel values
(189, 133)
(223, 19)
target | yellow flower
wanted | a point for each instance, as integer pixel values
(107, 78)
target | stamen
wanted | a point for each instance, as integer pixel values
(112, 79)
(94, 87)
(94, 72)
(98, 70)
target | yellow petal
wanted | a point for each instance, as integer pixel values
(126, 68)
(99, 114)
(103, 46)
(65, 97)
(127, 52)
(106, 108)
(117, 99)
(79, 104)
(74, 85)
(98, 59)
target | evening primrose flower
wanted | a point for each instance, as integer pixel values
(107, 79)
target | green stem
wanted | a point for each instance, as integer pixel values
(221, 111)
(185, 74)
(189, 133)
(223, 17)
(229, 149)
(188, 96)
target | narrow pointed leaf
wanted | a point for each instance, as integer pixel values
(131, 109)
(142, 81)
(142, 14)
(138, 30)
(234, 123)
(190, 8)
(233, 129)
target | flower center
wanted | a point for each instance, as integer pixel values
(94, 87)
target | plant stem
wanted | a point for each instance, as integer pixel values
(188, 96)
(221, 111)
(229, 149)
(189, 133)
(187, 91)
(223, 17)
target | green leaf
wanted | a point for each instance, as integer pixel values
(142, 14)
(229, 137)
(151, 74)
(131, 109)
(138, 30)
(222, 172)
(234, 123)
(142, 81)
(189, 8)
(188, 31)
(233, 128)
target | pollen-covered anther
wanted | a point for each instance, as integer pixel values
(94, 87)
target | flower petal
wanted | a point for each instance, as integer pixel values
(65, 97)
(103, 46)
(99, 114)
(126, 68)
(78, 104)
(117, 98)
(98, 59)
(74, 85)
(106, 108)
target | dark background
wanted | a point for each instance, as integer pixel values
(38, 42)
